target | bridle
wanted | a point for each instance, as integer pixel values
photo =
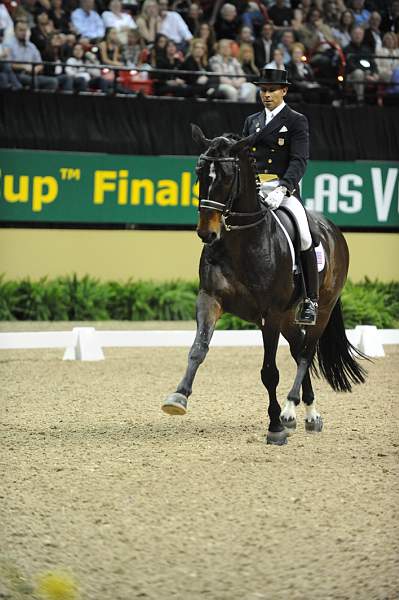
(226, 208)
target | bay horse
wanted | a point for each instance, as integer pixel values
(246, 269)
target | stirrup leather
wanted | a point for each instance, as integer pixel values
(306, 312)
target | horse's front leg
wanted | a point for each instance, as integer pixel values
(208, 312)
(276, 434)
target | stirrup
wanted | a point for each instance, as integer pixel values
(306, 312)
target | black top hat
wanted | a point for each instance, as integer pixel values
(273, 76)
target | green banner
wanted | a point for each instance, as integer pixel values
(55, 187)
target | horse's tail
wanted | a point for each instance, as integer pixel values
(336, 356)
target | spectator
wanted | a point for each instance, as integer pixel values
(318, 39)
(228, 23)
(388, 56)
(6, 24)
(77, 70)
(20, 49)
(8, 79)
(278, 61)
(265, 46)
(53, 53)
(109, 49)
(87, 22)
(360, 67)
(158, 51)
(192, 18)
(245, 35)
(342, 33)
(132, 50)
(196, 60)
(302, 78)
(233, 88)
(391, 21)
(41, 34)
(97, 80)
(301, 13)
(59, 17)
(254, 17)
(360, 13)
(247, 62)
(286, 43)
(207, 34)
(173, 26)
(29, 9)
(167, 83)
(121, 21)
(281, 15)
(331, 12)
(372, 34)
(149, 21)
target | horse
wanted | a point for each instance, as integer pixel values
(246, 269)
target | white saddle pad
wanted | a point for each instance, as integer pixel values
(320, 254)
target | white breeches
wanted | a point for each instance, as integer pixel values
(295, 207)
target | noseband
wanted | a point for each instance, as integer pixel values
(225, 209)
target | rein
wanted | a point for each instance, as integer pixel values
(225, 209)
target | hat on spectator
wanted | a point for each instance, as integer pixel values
(273, 76)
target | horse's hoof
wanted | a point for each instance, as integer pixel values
(316, 425)
(277, 438)
(289, 423)
(175, 404)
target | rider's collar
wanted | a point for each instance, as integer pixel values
(275, 111)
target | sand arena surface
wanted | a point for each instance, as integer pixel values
(97, 481)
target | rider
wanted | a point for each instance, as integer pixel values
(281, 153)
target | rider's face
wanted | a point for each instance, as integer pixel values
(272, 95)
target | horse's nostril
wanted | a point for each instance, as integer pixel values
(207, 236)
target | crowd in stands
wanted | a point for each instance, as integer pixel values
(199, 48)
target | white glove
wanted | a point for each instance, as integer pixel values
(275, 198)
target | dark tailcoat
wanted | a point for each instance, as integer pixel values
(283, 153)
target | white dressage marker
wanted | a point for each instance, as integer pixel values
(85, 345)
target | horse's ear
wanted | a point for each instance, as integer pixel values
(199, 137)
(245, 142)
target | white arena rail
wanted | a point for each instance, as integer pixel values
(86, 343)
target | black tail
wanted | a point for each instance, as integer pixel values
(336, 355)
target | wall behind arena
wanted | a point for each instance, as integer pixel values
(158, 255)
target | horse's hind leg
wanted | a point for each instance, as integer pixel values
(208, 312)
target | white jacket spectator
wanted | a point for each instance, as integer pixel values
(385, 65)
(172, 24)
(233, 88)
(87, 22)
(121, 21)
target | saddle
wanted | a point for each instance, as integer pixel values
(291, 225)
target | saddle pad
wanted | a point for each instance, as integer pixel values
(320, 254)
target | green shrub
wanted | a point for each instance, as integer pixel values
(87, 299)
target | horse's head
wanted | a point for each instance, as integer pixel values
(218, 176)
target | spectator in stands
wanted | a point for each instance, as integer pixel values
(132, 50)
(87, 22)
(301, 13)
(207, 34)
(319, 41)
(109, 49)
(28, 9)
(158, 51)
(228, 23)
(302, 77)
(286, 43)
(254, 17)
(372, 34)
(42, 32)
(167, 83)
(360, 13)
(173, 26)
(20, 49)
(278, 61)
(97, 80)
(59, 17)
(388, 56)
(232, 86)
(196, 60)
(53, 53)
(332, 11)
(193, 18)
(391, 21)
(245, 36)
(360, 66)
(8, 79)
(121, 21)
(281, 15)
(6, 24)
(342, 33)
(149, 21)
(265, 46)
(247, 62)
(77, 70)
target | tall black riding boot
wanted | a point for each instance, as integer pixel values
(307, 310)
